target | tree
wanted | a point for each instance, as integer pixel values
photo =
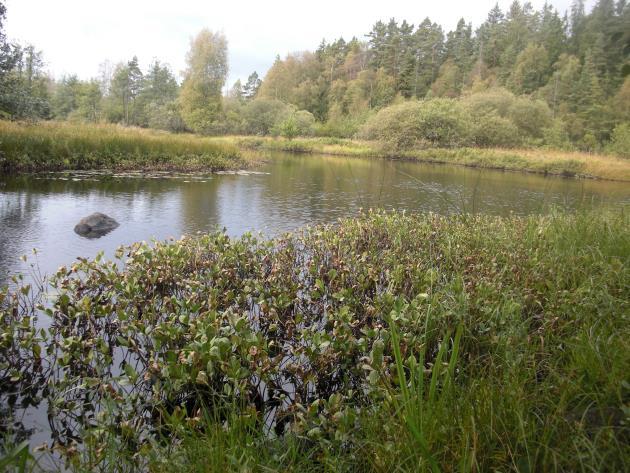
(8, 58)
(251, 86)
(158, 85)
(448, 82)
(236, 92)
(207, 68)
(491, 37)
(552, 32)
(158, 92)
(460, 47)
(560, 91)
(429, 40)
(66, 96)
(89, 103)
(124, 89)
(24, 88)
(531, 70)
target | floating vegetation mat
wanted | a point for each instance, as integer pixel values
(100, 174)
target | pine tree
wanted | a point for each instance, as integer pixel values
(377, 41)
(251, 86)
(460, 46)
(429, 39)
(491, 36)
(552, 32)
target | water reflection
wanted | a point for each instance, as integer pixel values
(299, 190)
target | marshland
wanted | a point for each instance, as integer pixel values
(408, 251)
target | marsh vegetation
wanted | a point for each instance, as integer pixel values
(55, 146)
(391, 341)
(418, 341)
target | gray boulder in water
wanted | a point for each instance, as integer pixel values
(95, 225)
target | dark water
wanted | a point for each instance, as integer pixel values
(298, 189)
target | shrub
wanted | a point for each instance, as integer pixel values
(497, 100)
(165, 117)
(288, 128)
(556, 136)
(342, 126)
(436, 122)
(446, 330)
(261, 115)
(620, 140)
(490, 129)
(304, 123)
(531, 117)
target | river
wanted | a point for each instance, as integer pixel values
(285, 193)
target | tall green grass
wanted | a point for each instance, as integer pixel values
(53, 146)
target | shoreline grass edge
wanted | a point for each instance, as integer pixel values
(62, 146)
(535, 160)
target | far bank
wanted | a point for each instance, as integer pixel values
(533, 160)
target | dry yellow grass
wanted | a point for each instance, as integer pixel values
(600, 166)
(47, 146)
(536, 160)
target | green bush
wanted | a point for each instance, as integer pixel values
(288, 128)
(437, 122)
(304, 122)
(299, 123)
(620, 140)
(261, 115)
(490, 129)
(556, 136)
(165, 117)
(496, 100)
(531, 117)
(343, 126)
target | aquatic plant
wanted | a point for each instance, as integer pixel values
(432, 343)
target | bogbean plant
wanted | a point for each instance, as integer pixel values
(421, 341)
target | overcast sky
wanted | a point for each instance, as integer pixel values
(77, 35)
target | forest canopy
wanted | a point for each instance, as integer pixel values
(524, 77)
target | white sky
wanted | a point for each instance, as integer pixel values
(77, 35)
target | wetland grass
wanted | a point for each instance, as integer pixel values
(56, 146)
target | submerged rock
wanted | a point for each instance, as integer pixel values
(95, 225)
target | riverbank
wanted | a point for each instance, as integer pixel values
(535, 160)
(421, 341)
(57, 146)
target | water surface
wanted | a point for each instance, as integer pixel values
(294, 190)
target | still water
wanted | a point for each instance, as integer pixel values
(290, 191)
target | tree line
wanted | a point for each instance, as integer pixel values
(569, 73)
